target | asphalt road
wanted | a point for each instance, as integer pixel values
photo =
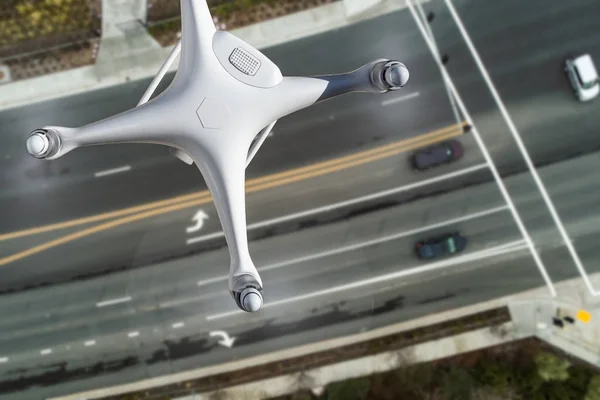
(34, 192)
(306, 299)
(523, 45)
(335, 128)
(169, 232)
(528, 73)
(63, 317)
(66, 188)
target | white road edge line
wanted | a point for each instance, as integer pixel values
(346, 203)
(510, 247)
(372, 242)
(114, 301)
(113, 171)
(515, 213)
(524, 152)
(399, 99)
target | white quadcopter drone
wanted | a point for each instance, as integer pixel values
(223, 102)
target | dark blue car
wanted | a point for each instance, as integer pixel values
(450, 243)
(441, 153)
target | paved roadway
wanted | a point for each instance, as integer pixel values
(542, 109)
(306, 299)
(34, 193)
(359, 122)
(524, 44)
(332, 128)
(162, 234)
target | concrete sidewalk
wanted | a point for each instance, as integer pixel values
(569, 326)
(531, 317)
(319, 378)
(128, 52)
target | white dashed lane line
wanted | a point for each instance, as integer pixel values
(399, 99)
(113, 171)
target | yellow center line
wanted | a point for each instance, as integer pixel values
(205, 193)
(266, 184)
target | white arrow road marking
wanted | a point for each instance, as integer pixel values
(199, 218)
(226, 340)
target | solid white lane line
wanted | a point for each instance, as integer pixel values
(213, 280)
(372, 242)
(88, 343)
(133, 334)
(113, 171)
(113, 301)
(399, 99)
(210, 236)
(177, 325)
(513, 130)
(482, 254)
(488, 158)
(46, 352)
(346, 203)
(3, 360)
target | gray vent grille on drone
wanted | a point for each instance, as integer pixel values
(244, 61)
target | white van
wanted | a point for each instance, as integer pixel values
(583, 77)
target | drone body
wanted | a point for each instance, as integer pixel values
(223, 94)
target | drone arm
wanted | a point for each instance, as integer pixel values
(293, 93)
(223, 168)
(179, 153)
(143, 124)
(379, 76)
(296, 93)
(197, 31)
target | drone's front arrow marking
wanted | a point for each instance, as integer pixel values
(226, 340)
(199, 217)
